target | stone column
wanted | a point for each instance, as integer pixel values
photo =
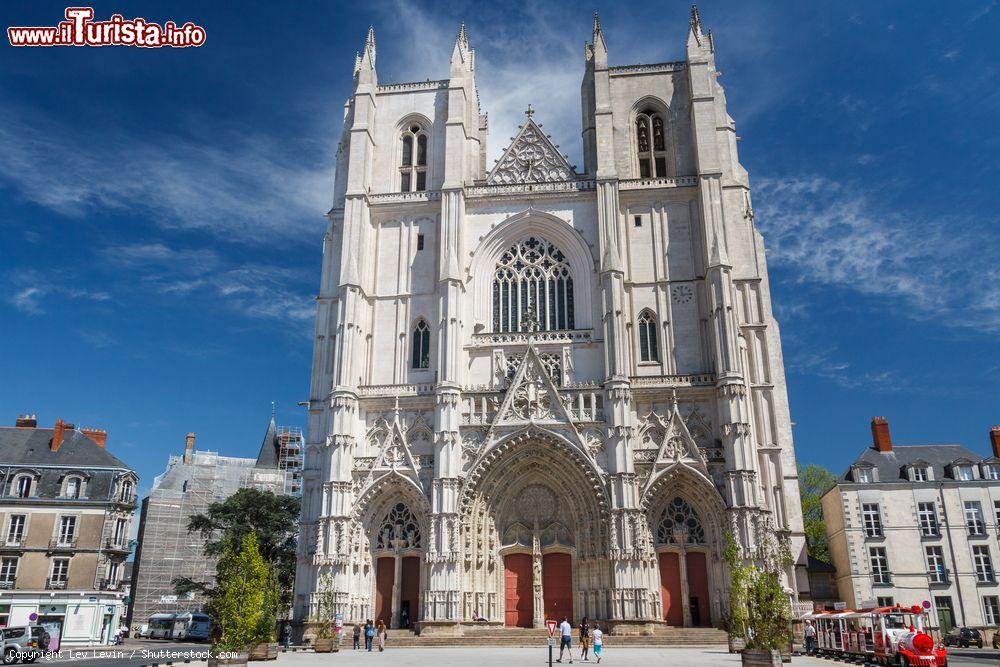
(397, 588)
(685, 589)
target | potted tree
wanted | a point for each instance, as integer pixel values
(266, 647)
(236, 607)
(760, 612)
(735, 616)
(326, 633)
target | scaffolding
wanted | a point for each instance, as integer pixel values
(291, 444)
(166, 550)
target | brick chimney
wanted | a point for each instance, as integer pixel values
(26, 421)
(995, 440)
(58, 431)
(189, 448)
(100, 437)
(880, 434)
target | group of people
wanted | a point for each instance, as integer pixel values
(370, 632)
(589, 635)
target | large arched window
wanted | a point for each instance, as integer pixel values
(421, 346)
(651, 144)
(413, 164)
(399, 529)
(679, 524)
(648, 348)
(532, 288)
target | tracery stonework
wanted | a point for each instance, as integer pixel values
(540, 391)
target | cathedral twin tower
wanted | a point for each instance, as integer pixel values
(541, 392)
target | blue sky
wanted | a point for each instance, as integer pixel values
(161, 210)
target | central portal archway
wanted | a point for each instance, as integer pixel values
(534, 531)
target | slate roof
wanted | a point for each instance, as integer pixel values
(31, 447)
(268, 455)
(892, 465)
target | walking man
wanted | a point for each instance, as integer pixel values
(369, 634)
(357, 635)
(566, 631)
(810, 635)
(584, 639)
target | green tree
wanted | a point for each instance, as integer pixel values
(814, 481)
(760, 611)
(272, 518)
(240, 595)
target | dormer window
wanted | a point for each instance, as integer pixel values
(864, 475)
(963, 472)
(413, 163)
(991, 471)
(73, 487)
(651, 144)
(920, 472)
(22, 486)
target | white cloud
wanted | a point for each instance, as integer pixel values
(835, 234)
(245, 188)
(30, 288)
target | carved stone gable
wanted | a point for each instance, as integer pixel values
(395, 454)
(531, 158)
(531, 395)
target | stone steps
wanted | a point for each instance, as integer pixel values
(524, 637)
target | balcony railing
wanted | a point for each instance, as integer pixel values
(939, 576)
(977, 528)
(55, 584)
(105, 585)
(874, 531)
(986, 577)
(113, 545)
(14, 540)
(882, 578)
(6, 584)
(68, 542)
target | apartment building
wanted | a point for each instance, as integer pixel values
(919, 524)
(66, 505)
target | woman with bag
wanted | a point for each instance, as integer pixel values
(382, 635)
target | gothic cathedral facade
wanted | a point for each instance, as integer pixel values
(539, 391)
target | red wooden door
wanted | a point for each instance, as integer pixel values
(409, 585)
(519, 607)
(557, 586)
(698, 589)
(670, 589)
(385, 572)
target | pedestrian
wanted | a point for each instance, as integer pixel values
(810, 635)
(584, 638)
(598, 641)
(404, 619)
(357, 635)
(566, 632)
(369, 634)
(382, 635)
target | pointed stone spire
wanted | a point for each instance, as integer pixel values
(695, 23)
(370, 43)
(600, 47)
(461, 54)
(357, 62)
(364, 68)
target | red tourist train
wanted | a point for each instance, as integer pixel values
(884, 635)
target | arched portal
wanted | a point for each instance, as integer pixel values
(534, 531)
(686, 520)
(395, 515)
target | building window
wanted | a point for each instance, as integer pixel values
(8, 571)
(421, 344)
(991, 605)
(863, 475)
(996, 513)
(60, 573)
(919, 474)
(398, 530)
(73, 487)
(983, 562)
(637, 221)
(679, 523)
(648, 348)
(936, 571)
(651, 144)
(121, 532)
(67, 530)
(533, 288)
(413, 168)
(885, 601)
(880, 565)
(872, 519)
(927, 518)
(15, 529)
(114, 572)
(974, 518)
(126, 491)
(963, 473)
(991, 471)
(22, 486)
(420, 242)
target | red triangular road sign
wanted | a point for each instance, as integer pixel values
(551, 625)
